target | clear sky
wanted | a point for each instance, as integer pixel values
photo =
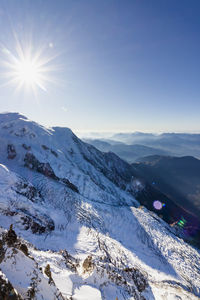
(111, 65)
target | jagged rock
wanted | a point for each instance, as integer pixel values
(70, 262)
(11, 151)
(37, 225)
(88, 265)
(26, 147)
(7, 292)
(31, 293)
(45, 147)
(29, 191)
(40, 224)
(47, 271)
(24, 249)
(138, 278)
(54, 153)
(11, 236)
(70, 185)
(48, 149)
(33, 163)
(2, 250)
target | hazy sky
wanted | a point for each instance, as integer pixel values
(113, 65)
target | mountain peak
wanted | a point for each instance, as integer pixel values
(11, 116)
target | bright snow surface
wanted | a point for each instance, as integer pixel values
(102, 220)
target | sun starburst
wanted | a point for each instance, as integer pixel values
(26, 68)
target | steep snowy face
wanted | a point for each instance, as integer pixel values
(59, 154)
(84, 236)
(21, 202)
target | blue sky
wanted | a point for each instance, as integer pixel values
(116, 65)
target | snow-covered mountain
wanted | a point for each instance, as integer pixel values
(78, 232)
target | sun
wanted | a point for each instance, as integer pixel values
(28, 72)
(27, 69)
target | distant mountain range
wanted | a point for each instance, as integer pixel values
(180, 144)
(131, 146)
(130, 153)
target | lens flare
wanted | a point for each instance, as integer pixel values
(182, 222)
(158, 205)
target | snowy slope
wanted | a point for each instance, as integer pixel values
(75, 208)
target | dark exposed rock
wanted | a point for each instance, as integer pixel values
(36, 225)
(7, 292)
(70, 262)
(47, 271)
(138, 278)
(9, 213)
(130, 278)
(48, 149)
(26, 147)
(11, 151)
(2, 250)
(70, 185)
(22, 132)
(45, 147)
(24, 249)
(31, 293)
(54, 153)
(33, 163)
(11, 237)
(36, 222)
(29, 191)
(88, 265)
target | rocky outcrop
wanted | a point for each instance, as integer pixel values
(88, 265)
(69, 184)
(138, 278)
(7, 292)
(27, 190)
(11, 237)
(26, 147)
(70, 262)
(31, 162)
(11, 151)
(17, 258)
(47, 271)
(37, 225)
